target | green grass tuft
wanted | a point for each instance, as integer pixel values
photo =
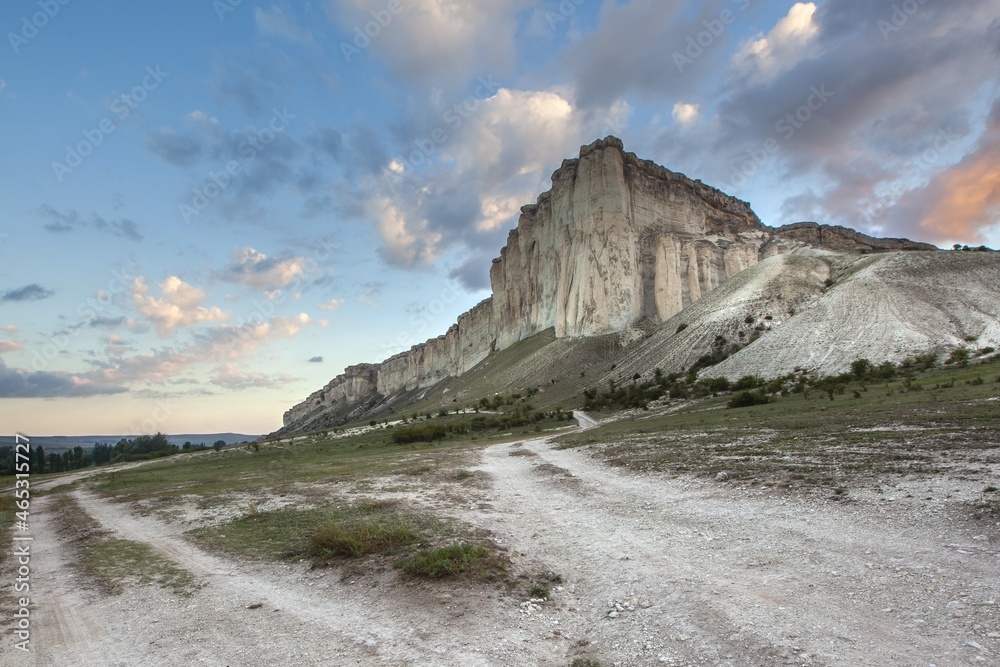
(460, 559)
(361, 537)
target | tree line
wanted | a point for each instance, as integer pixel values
(139, 448)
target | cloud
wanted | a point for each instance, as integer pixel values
(961, 202)
(9, 346)
(438, 42)
(316, 360)
(685, 114)
(603, 71)
(72, 221)
(17, 383)
(234, 378)
(106, 322)
(179, 305)
(254, 269)
(275, 22)
(32, 292)
(406, 240)
(332, 305)
(9, 328)
(226, 344)
(180, 150)
(251, 80)
(370, 293)
(474, 272)
(791, 40)
(267, 160)
(497, 155)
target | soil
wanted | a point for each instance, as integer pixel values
(654, 570)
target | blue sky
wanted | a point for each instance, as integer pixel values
(211, 208)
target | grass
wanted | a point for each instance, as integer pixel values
(116, 563)
(358, 531)
(456, 560)
(943, 419)
(362, 537)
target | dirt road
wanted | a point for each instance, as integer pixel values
(655, 571)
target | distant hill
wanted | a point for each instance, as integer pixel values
(58, 443)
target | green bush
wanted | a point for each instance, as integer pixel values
(746, 399)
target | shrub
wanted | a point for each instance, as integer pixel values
(958, 356)
(747, 399)
(861, 368)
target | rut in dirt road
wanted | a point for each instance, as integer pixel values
(716, 577)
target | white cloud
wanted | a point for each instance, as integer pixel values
(789, 42)
(406, 239)
(685, 113)
(254, 269)
(332, 305)
(441, 41)
(9, 346)
(178, 306)
(9, 328)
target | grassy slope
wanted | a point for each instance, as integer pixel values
(946, 418)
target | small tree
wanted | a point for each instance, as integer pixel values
(861, 368)
(219, 444)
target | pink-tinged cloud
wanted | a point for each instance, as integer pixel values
(179, 305)
(961, 202)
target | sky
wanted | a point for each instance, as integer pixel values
(210, 208)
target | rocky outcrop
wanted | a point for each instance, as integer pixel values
(843, 239)
(617, 240)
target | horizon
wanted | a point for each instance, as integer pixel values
(214, 210)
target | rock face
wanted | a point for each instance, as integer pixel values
(835, 237)
(616, 240)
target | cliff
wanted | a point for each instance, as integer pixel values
(617, 240)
